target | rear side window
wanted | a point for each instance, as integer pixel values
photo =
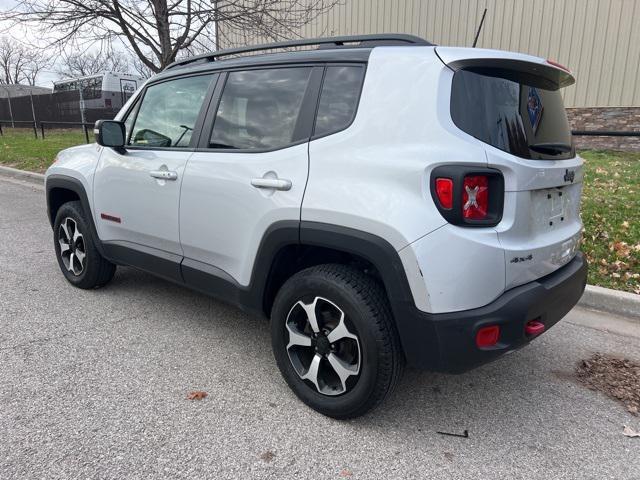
(168, 112)
(259, 109)
(521, 119)
(339, 99)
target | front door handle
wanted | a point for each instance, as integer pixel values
(164, 174)
(274, 183)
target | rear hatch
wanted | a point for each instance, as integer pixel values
(513, 104)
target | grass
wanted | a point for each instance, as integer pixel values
(19, 148)
(610, 205)
(611, 216)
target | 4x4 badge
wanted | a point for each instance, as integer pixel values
(569, 175)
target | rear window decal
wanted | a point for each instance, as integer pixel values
(534, 108)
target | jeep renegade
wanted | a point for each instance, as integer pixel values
(384, 201)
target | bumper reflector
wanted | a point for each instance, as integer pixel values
(534, 328)
(488, 336)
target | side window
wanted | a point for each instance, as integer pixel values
(338, 99)
(169, 111)
(259, 108)
(128, 121)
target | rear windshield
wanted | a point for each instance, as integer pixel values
(524, 120)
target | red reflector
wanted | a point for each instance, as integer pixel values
(475, 197)
(111, 218)
(444, 190)
(534, 328)
(488, 336)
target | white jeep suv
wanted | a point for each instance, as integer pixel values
(382, 200)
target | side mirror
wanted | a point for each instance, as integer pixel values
(110, 133)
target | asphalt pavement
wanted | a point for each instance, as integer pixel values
(93, 384)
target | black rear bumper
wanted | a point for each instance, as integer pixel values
(446, 342)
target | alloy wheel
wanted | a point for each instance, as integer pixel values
(72, 246)
(321, 348)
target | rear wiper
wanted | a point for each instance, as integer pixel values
(551, 148)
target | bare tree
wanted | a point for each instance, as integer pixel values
(158, 31)
(89, 63)
(19, 63)
(141, 69)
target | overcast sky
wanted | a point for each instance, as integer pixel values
(46, 77)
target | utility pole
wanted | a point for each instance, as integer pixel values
(33, 114)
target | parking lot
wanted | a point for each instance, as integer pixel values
(93, 384)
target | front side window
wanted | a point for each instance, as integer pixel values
(168, 112)
(131, 115)
(339, 99)
(259, 109)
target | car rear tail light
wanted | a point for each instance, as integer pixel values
(468, 196)
(488, 336)
(444, 190)
(475, 197)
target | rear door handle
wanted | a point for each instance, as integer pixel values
(164, 174)
(274, 183)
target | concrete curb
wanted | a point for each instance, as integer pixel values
(611, 301)
(595, 298)
(22, 175)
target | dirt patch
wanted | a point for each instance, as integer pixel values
(618, 378)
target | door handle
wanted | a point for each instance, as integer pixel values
(274, 183)
(164, 174)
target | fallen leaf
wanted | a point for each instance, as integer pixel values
(197, 395)
(630, 432)
(622, 249)
(625, 224)
(267, 456)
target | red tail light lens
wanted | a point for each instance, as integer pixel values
(475, 197)
(468, 196)
(444, 190)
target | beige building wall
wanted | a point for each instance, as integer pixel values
(599, 40)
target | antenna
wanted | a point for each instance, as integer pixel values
(475, 41)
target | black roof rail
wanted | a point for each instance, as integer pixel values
(371, 40)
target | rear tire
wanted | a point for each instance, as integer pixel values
(75, 246)
(351, 359)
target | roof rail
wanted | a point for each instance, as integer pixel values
(327, 42)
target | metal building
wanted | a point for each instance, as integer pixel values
(599, 40)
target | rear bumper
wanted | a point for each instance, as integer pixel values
(446, 342)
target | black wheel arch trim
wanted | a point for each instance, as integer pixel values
(65, 182)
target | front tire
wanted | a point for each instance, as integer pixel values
(78, 258)
(334, 340)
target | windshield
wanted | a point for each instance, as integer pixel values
(521, 119)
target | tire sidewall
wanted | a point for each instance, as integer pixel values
(356, 313)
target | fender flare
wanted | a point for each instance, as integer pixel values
(65, 182)
(376, 250)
